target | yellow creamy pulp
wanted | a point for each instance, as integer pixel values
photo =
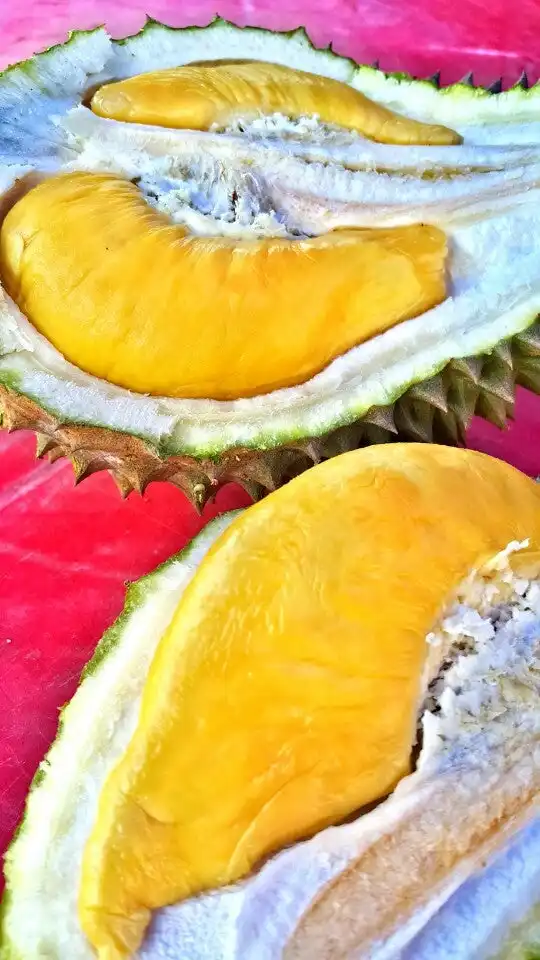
(134, 299)
(196, 97)
(128, 296)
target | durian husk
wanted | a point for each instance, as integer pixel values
(436, 410)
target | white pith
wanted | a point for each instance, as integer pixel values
(485, 194)
(253, 920)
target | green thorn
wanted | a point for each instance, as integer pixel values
(462, 399)
(343, 439)
(449, 428)
(528, 373)
(415, 419)
(498, 379)
(528, 342)
(381, 417)
(503, 352)
(493, 409)
(374, 435)
(432, 391)
(470, 367)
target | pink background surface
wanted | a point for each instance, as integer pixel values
(66, 553)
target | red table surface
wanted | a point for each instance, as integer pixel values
(66, 553)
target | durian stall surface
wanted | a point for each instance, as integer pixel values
(296, 262)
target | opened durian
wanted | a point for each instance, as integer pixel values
(361, 648)
(226, 255)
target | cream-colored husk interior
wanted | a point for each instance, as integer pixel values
(289, 178)
(479, 723)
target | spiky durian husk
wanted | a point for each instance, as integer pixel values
(436, 410)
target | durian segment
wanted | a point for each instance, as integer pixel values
(199, 97)
(134, 299)
(276, 658)
(500, 132)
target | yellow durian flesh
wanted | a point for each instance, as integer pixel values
(196, 97)
(284, 694)
(129, 297)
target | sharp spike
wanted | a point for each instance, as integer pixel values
(468, 79)
(56, 454)
(259, 470)
(462, 399)
(415, 419)
(492, 408)
(470, 367)
(495, 87)
(81, 464)
(310, 449)
(342, 440)
(503, 352)
(510, 410)
(448, 428)
(198, 490)
(44, 444)
(123, 484)
(528, 373)
(523, 81)
(381, 417)
(374, 435)
(498, 380)
(431, 391)
(435, 79)
(138, 482)
(528, 342)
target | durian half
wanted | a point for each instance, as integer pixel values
(369, 631)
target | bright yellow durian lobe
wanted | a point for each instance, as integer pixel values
(285, 693)
(197, 97)
(130, 297)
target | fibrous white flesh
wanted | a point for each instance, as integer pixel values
(489, 698)
(297, 178)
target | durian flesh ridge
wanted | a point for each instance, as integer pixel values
(44, 864)
(209, 428)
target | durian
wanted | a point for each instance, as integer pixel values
(257, 168)
(271, 683)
